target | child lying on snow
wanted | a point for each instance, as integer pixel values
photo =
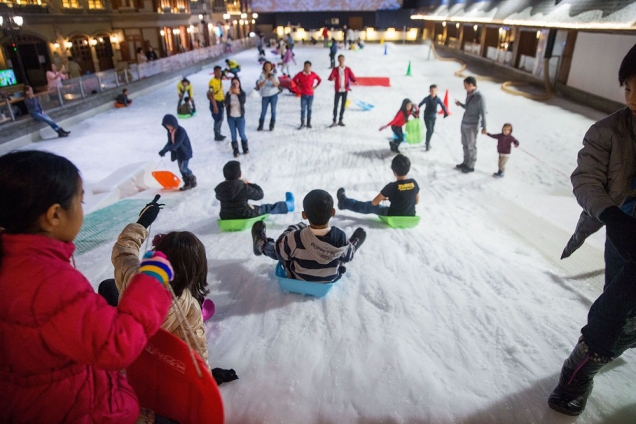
(315, 253)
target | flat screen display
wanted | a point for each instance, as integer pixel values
(7, 78)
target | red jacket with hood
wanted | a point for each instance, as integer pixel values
(61, 345)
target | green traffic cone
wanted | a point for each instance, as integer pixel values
(408, 70)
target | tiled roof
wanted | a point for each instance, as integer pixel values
(563, 13)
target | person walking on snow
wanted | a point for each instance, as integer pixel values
(401, 118)
(343, 76)
(430, 113)
(475, 108)
(332, 53)
(305, 82)
(284, 65)
(268, 87)
(180, 150)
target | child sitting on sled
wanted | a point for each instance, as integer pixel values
(310, 253)
(404, 194)
(62, 344)
(122, 100)
(234, 192)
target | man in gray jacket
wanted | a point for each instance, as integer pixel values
(475, 107)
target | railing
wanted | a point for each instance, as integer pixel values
(77, 89)
(473, 48)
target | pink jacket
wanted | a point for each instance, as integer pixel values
(61, 345)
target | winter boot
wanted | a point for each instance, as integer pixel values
(392, 146)
(186, 184)
(235, 149)
(308, 122)
(244, 146)
(272, 123)
(340, 123)
(333, 124)
(193, 181)
(576, 380)
(460, 166)
(340, 195)
(498, 174)
(64, 131)
(428, 147)
(259, 237)
(260, 125)
(302, 124)
(358, 237)
(61, 133)
(289, 201)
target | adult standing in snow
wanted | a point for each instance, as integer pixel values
(604, 182)
(332, 53)
(325, 36)
(343, 77)
(268, 87)
(475, 108)
(217, 101)
(344, 35)
(54, 78)
(235, 105)
(305, 82)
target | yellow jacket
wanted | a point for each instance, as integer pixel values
(125, 258)
(216, 87)
(232, 64)
(188, 89)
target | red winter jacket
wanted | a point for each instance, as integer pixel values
(400, 119)
(306, 82)
(348, 77)
(61, 344)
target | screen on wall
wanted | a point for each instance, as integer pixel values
(323, 5)
(7, 78)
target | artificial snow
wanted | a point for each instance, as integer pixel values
(466, 318)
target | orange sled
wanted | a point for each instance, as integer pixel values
(167, 179)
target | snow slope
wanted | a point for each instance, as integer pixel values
(458, 320)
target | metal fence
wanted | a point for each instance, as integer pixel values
(77, 89)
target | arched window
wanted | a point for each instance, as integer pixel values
(104, 52)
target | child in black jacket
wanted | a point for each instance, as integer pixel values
(122, 100)
(234, 192)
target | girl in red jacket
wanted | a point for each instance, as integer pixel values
(62, 346)
(399, 121)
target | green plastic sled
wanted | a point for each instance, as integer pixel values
(239, 224)
(186, 116)
(400, 221)
(414, 131)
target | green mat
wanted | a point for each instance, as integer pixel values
(104, 225)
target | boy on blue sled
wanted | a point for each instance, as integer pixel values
(311, 253)
(404, 194)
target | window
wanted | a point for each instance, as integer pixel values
(95, 4)
(70, 4)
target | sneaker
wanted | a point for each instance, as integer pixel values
(340, 123)
(466, 169)
(498, 174)
(289, 200)
(340, 195)
(259, 237)
(358, 237)
(333, 124)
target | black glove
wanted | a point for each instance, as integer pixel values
(162, 153)
(223, 376)
(149, 213)
(358, 237)
(621, 230)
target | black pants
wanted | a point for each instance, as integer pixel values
(332, 56)
(336, 99)
(108, 290)
(398, 132)
(429, 122)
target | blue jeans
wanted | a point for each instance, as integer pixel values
(429, 122)
(265, 102)
(237, 124)
(218, 117)
(305, 106)
(183, 167)
(43, 117)
(609, 312)
(277, 208)
(363, 207)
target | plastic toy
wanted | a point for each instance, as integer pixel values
(167, 179)
(239, 224)
(302, 287)
(400, 221)
(414, 131)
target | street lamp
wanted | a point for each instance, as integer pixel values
(12, 24)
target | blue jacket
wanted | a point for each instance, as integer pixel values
(33, 105)
(180, 149)
(431, 106)
(333, 49)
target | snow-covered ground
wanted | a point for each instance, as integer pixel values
(466, 318)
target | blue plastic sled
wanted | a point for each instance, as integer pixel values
(301, 287)
(365, 106)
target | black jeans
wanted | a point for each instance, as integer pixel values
(339, 96)
(429, 122)
(332, 56)
(610, 311)
(398, 132)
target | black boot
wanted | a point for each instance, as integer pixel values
(340, 195)
(358, 237)
(576, 380)
(61, 133)
(627, 339)
(340, 123)
(302, 124)
(246, 150)
(193, 181)
(259, 237)
(308, 122)
(235, 149)
(186, 184)
(272, 123)
(64, 131)
(260, 125)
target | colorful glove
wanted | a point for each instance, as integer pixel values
(157, 266)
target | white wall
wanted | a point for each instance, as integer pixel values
(595, 63)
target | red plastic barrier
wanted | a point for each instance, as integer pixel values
(374, 81)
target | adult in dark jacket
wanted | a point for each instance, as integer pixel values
(233, 193)
(180, 150)
(35, 110)
(603, 183)
(475, 108)
(235, 106)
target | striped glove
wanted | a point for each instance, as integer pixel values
(157, 266)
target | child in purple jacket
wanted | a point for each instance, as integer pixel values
(504, 140)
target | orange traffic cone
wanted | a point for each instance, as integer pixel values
(441, 112)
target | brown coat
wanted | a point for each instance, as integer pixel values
(125, 258)
(606, 167)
